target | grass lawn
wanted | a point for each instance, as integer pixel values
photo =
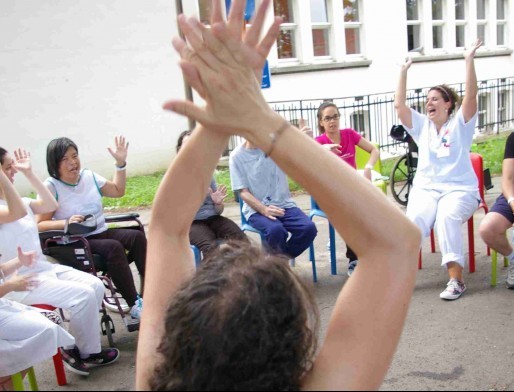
(141, 189)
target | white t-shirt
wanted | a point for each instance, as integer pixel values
(84, 198)
(444, 162)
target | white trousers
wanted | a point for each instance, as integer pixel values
(27, 338)
(79, 293)
(447, 211)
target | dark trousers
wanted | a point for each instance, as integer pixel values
(204, 234)
(350, 254)
(302, 229)
(118, 248)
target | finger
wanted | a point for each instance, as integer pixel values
(251, 38)
(235, 18)
(233, 45)
(20, 253)
(271, 217)
(193, 78)
(188, 109)
(209, 40)
(270, 38)
(217, 14)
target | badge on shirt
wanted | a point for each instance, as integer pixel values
(444, 147)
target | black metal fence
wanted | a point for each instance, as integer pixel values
(374, 115)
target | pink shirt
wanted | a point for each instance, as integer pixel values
(349, 139)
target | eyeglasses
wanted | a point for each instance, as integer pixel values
(330, 118)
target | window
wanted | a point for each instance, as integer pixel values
(352, 26)
(359, 121)
(483, 100)
(286, 42)
(482, 20)
(438, 24)
(413, 25)
(503, 105)
(320, 28)
(501, 22)
(460, 23)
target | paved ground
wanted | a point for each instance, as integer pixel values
(463, 345)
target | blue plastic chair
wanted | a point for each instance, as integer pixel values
(197, 254)
(317, 211)
(245, 226)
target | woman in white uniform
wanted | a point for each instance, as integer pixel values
(445, 191)
(58, 285)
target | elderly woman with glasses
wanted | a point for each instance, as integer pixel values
(342, 142)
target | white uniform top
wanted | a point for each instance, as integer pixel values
(24, 233)
(444, 162)
(84, 198)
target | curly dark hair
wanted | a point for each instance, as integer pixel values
(243, 322)
(449, 95)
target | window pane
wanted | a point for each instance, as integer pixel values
(319, 11)
(481, 7)
(413, 37)
(205, 11)
(437, 9)
(437, 32)
(460, 10)
(481, 33)
(351, 10)
(460, 36)
(352, 41)
(284, 8)
(286, 45)
(320, 41)
(500, 9)
(412, 10)
(500, 34)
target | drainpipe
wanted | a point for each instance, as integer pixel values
(188, 92)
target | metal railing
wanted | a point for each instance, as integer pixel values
(374, 115)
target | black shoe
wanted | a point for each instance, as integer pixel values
(73, 363)
(104, 357)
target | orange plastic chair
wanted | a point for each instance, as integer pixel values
(478, 166)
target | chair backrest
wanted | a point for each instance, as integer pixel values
(362, 158)
(478, 166)
(243, 219)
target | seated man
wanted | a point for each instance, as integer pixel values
(501, 217)
(268, 205)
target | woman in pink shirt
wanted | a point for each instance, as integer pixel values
(342, 142)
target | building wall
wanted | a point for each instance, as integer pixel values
(89, 70)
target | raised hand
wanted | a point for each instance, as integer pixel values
(120, 151)
(22, 161)
(406, 65)
(471, 51)
(26, 259)
(219, 196)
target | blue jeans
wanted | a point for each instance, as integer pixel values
(302, 229)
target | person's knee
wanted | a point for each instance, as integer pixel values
(310, 231)
(277, 233)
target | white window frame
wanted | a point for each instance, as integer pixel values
(486, 39)
(440, 23)
(483, 113)
(417, 22)
(327, 26)
(354, 26)
(502, 22)
(460, 23)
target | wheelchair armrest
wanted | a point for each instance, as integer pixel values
(46, 235)
(121, 217)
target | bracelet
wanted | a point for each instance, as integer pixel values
(274, 137)
(368, 166)
(121, 168)
(511, 199)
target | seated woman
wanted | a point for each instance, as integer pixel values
(79, 193)
(208, 225)
(58, 285)
(245, 321)
(342, 142)
(26, 336)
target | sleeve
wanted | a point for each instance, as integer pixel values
(418, 120)
(355, 136)
(321, 139)
(99, 180)
(214, 186)
(509, 147)
(237, 173)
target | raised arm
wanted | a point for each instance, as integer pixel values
(116, 187)
(470, 103)
(364, 331)
(400, 99)
(15, 208)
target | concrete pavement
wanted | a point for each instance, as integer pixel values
(467, 344)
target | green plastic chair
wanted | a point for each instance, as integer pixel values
(17, 380)
(362, 158)
(494, 264)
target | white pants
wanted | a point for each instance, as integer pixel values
(27, 338)
(448, 211)
(79, 293)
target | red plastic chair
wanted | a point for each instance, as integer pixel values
(478, 166)
(58, 363)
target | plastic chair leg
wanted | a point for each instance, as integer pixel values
(494, 266)
(432, 240)
(420, 260)
(17, 382)
(60, 374)
(332, 236)
(32, 380)
(471, 244)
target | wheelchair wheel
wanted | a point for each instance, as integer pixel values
(108, 328)
(402, 176)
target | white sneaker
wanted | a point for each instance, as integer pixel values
(351, 267)
(510, 277)
(110, 304)
(454, 289)
(137, 309)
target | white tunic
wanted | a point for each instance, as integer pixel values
(27, 337)
(83, 198)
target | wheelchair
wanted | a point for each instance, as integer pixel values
(69, 247)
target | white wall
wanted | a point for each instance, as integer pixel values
(89, 70)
